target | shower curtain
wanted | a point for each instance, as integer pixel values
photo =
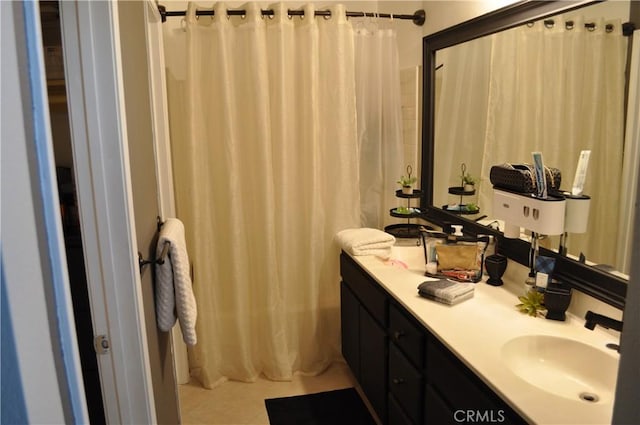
(379, 120)
(551, 89)
(267, 167)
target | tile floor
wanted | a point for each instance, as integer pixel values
(238, 403)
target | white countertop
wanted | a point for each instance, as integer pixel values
(475, 330)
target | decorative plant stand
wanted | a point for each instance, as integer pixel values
(408, 229)
(461, 191)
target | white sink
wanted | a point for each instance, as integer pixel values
(563, 367)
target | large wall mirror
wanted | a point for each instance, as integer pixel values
(535, 76)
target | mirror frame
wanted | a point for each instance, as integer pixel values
(599, 284)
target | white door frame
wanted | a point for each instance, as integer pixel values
(91, 45)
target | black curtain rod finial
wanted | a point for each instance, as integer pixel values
(163, 13)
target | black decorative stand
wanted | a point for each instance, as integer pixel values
(408, 229)
(460, 191)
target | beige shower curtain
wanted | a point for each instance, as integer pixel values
(266, 176)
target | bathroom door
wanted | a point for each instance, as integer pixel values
(149, 187)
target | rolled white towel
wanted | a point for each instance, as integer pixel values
(366, 241)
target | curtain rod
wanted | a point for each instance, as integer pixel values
(418, 17)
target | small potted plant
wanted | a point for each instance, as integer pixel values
(407, 184)
(468, 182)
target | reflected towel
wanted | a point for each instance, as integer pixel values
(366, 241)
(174, 291)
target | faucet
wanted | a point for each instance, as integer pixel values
(592, 319)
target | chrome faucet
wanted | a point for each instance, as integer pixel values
(592, 319)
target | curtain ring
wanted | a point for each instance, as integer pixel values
(549, 23)
(243, 16)
(590, 27)
(327, 15)
(183, 24)
(609, 28)
(569, 25)
(530, 24)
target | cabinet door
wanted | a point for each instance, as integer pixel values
(349, 319)
(436, 410)
(462, 389)
(373, 363)
(405, 383)
(396, 414)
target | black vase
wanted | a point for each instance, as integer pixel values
(496, 265)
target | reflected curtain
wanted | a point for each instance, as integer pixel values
(462, 85)
(558, 91)
(379, 114)
(264, 179)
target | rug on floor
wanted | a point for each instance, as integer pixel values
(338, 407)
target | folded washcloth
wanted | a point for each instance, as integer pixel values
(174, 292)
(366, 241)
(446, 291)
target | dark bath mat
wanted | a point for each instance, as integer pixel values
(338, 407)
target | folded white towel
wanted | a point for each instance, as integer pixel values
(174, 292)
(366, 241)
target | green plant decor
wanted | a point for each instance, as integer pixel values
(471, 207)
(468, 179)
(407, 181)
(531, 303)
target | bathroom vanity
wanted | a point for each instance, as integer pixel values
(481, 361)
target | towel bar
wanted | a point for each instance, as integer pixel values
(163, 255)
(160, 260)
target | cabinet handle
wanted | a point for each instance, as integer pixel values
(398, 334)
(397, 381)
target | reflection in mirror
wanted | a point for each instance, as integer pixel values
(557, 88)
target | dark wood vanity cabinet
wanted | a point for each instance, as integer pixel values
(364, 336)
(407, 374)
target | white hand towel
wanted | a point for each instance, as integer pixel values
(366, 241)
(174, 291)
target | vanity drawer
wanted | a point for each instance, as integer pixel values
(407, 335)
(406, 384)
(365, 289)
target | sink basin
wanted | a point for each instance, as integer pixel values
(563, 367)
